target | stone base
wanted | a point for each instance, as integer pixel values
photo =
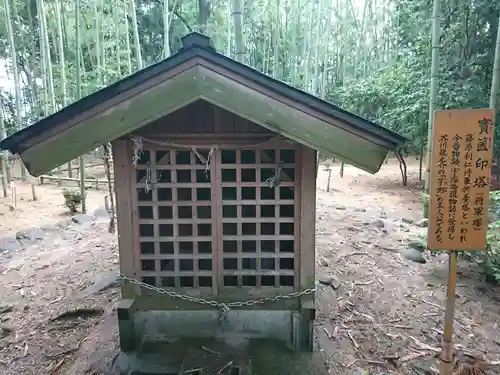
(293, 329)
(209, 357)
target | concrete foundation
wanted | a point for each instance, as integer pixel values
(203, 342)
(222, 357)
(167, 325)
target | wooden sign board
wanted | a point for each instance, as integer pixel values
(460, 182)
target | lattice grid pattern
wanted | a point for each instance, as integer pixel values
(174, 195)
(258, 223)
(194, 220)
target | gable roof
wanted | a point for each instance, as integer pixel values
(196, 72)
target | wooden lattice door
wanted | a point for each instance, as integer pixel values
(257, 207)
(176, 219)
(216, 220)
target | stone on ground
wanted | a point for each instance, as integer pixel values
(109, 281)
(30, 234)
(5, 308)
(423, 223)
(413, 255)
(9, 244)
(101, 212)
(82, 219)
(418, 245)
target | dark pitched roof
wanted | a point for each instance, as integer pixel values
(197, 45)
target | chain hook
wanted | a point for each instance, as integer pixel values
(223, 310)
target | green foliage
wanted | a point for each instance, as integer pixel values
(72, 199)
(397, 96)
(375, 64)
(490, 258)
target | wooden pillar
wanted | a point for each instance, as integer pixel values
(307, 247)
(122, 156)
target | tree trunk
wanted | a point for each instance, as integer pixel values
(495, 82)
(128, 51)
(33, 67)
(78, 94)
(46, 47)
(203, 14)
(44, 64)
(62, 65)
(4, 155)
(238, 30)
(102, 46)
(436, 28)
(166, 28)
(15, 71)
(295, 47)
(276, 46)
(307, 48)
(316, 81)
(98, 52)
(137, 41)
(228, 47)
(116, 16)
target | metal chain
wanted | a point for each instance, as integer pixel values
(223, 307)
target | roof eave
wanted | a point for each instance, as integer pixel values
(14, 142)
(28, 137)
(296, 94)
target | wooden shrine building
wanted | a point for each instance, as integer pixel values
(215, 170)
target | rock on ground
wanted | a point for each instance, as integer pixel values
(82, 219)
(30, 234)
(101, 213)
(9, 244)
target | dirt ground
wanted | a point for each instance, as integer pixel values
(380, 315)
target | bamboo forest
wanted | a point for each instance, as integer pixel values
(257, 193)
(371, 57)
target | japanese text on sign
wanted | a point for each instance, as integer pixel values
(460, 179)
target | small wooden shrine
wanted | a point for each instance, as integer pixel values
(215, 171)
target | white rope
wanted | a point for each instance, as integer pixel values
(275, 180)
(147, 188)
(206, 161)
(138, 150)
(214, 146)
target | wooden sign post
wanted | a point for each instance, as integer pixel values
(459, 196)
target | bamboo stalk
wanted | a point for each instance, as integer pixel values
(127, 41)
(237, 12)
(436, 29)
(166, 29)
(78, 94)
(495, 82)
(116, 14)
(5, 163)
(137, 43)
(15, 68)
(107, 167)
(62, 63)
(97, 24)
(276, 46)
